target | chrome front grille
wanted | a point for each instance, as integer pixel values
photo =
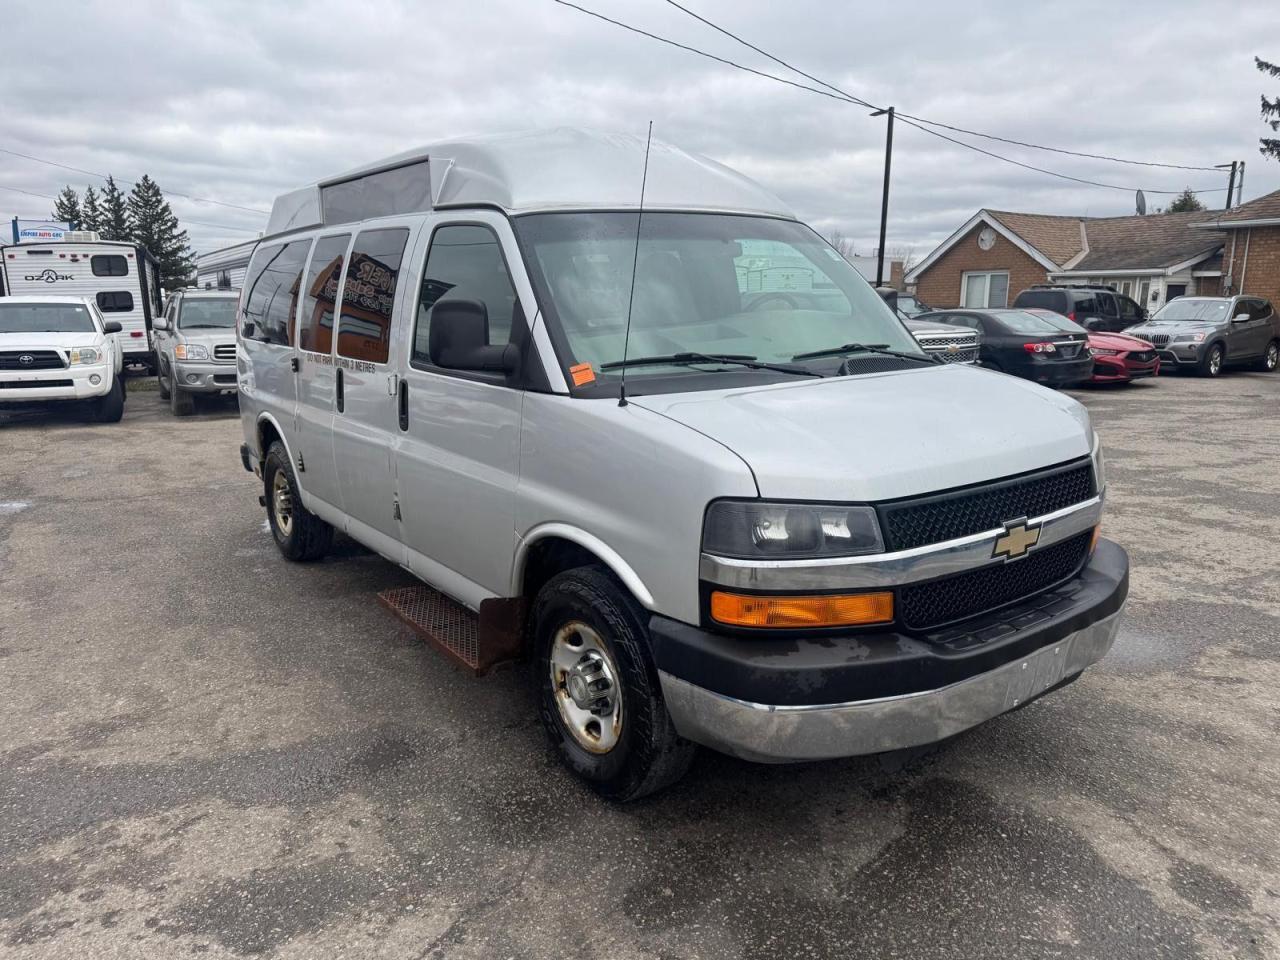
(1158, 339)
(957, 348)
(225, 352)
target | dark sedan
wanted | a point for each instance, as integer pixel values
(1020, 343)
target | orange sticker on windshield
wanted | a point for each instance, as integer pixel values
(582, 374)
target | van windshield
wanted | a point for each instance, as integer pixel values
(710, 284)
(45, 318)
(210, 313)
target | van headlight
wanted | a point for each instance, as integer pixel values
(82, 355)
(755, 529)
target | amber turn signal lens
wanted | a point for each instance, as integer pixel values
(841, 610)
(1093, 541)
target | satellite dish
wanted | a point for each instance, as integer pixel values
(1142, 204)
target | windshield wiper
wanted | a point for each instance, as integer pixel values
(741, 359)
(864, 348)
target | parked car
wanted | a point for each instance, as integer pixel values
(1025, 345)
(1117, 357)
(1207, 334)
(784, 533)
(58, 349)
(942, 341)
(1093, 306)
(948, 343)
(196, 347)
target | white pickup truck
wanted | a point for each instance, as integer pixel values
(57, 349)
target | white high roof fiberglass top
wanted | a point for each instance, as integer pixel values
(561, 169)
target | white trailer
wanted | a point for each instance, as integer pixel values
(123, 278)
(224, 269)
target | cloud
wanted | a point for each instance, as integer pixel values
(240, 101)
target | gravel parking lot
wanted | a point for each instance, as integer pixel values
(206, 749)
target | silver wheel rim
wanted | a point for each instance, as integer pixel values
(584, 680)
(1215, 360)
(282, 503)
(1273, 356)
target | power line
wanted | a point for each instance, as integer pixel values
(848, 98)
(103, 176)
(932, 123)
(199, 223)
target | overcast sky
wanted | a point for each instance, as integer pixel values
(240, 101)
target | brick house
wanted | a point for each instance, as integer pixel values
(1251, 249)
(998, 253)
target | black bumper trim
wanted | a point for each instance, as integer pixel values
(866, 666)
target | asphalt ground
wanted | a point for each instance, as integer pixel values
(205, 749)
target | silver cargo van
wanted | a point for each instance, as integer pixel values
(771, 525)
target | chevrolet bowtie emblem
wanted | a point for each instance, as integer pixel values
(1016, 540)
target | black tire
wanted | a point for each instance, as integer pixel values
(1270, 357)
(304, 537)
(648, 755)
(110, 407)
(181, 402)
(1211, 362)
(162, 383)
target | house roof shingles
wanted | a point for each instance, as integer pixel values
(1058, 238)
(1146, 242)
(1266, 207)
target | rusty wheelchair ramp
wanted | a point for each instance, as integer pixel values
(474, 642)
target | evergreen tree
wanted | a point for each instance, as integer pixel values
(90, 211)
(1269, 146)
(67, 207)
(157, 229)
(1185, 202)
(115, 224)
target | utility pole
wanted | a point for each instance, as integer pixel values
(1231, 181)
(884, 196)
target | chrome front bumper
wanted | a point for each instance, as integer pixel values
(779, 734)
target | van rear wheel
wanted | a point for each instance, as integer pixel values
(598, 690)
(298, 532)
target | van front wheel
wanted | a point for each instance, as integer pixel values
(298, 532)
(599, 695)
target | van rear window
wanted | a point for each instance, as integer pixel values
(109, 265)
(1044, 299)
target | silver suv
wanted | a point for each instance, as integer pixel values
(1205, 334)
(195, 346)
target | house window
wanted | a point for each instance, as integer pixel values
(1144, 292)
(1126, 287)
(983, 290)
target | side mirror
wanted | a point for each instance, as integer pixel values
(459, 339)
(1242, 315)
(160, 323)
(112, 326)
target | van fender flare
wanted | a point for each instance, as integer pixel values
(588, 541)
(270, 418)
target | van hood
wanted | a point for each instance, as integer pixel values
(47, 341)
(879, 437)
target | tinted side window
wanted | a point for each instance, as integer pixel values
(1128, 309)
(109, 265)
(315, 330)
(275, 277)
(1087, 303)
(1044, 299)
(465, 263)
(369, 294)
(120, 302)
(1107, 305)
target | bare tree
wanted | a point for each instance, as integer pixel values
(843, 244)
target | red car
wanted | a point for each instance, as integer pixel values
(1117, 357)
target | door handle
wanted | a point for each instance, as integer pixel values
(293, 364)
(338, 395)
(404, 405)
